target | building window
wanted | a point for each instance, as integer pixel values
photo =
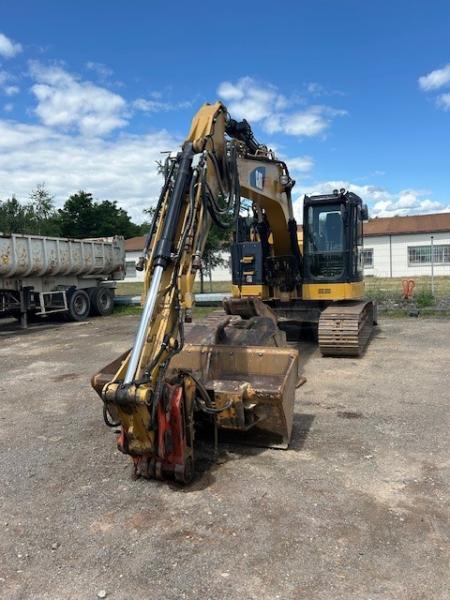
(421, 255)
(130, 268)
(367, 255)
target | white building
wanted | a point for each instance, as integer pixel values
(133, 249)
(393, 247)
(407, 246)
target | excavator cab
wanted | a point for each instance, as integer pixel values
(321, 282)
(332, 246)
(333, 275)
(332, 233)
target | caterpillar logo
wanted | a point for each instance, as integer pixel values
(324, 290)
(257, 178)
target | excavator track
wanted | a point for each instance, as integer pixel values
(345, 328)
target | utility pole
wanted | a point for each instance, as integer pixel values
(390, 256)
(432, 266)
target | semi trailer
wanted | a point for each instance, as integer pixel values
(46, 275)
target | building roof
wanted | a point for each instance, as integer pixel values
(435, 223)
(135, 243)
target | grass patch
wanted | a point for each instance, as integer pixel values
(197, 313)
(398, 313)
(122, 309)
(386, 288)
(377, 288)
(202, 311)
(215, 288)
(424, 298)
(125, 288)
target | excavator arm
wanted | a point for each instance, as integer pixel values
(154, 391)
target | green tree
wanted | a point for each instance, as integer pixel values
(45, 219)
(15, 217)
(81, 217)
(77, 217)
(42, 202)
(114, 220)
(144, 227)
(217, 242)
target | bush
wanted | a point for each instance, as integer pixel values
(424, 298)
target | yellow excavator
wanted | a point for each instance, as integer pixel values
(320, 281)
(234, 368)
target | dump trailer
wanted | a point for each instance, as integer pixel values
(46, 275)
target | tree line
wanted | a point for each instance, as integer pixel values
(80, 217)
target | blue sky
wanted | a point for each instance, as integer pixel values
(351, 93)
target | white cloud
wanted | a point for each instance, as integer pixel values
(258, 102)
(11, 90)
(314, 88)
(123, 169)
(382, 206)
(317, 89)
(307, 123)
(407, 199)
(430, 206)
(154, 106)
(8, 107)
(66, 102)
(101, 69)
(300, 164)
(382, 202)
(443, 101)
(8, 48)
(230, 91)
(435, 79)
(6, 85)
(248, 99)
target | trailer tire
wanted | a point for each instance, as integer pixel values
(102, 301)
(79, 305)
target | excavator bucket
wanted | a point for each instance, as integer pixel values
(257, 383)
(248, 370)
(246, 365)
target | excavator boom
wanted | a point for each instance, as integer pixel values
(239, 374)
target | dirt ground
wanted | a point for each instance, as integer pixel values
(358, 508)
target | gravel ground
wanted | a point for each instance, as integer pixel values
(358, 508)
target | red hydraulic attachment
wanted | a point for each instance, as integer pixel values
(408, 288)
(174, 448)
(174, 439)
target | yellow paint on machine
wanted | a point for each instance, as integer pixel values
(260, 291)
(333, 291)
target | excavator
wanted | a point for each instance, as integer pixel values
(235, 369)
(321, 281)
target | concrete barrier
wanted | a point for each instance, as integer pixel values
(200, 299)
